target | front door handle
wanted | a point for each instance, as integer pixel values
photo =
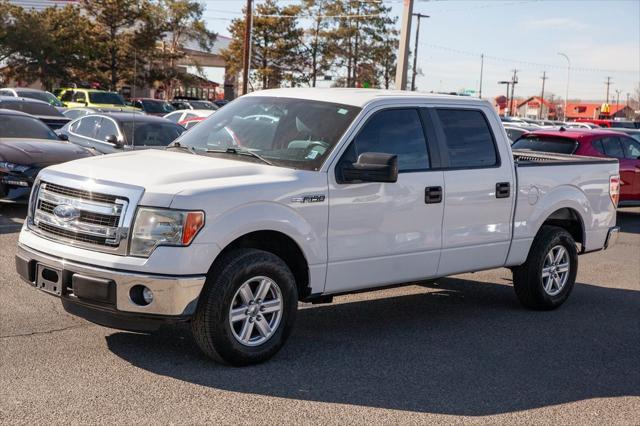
(503, 189)
(433, 195)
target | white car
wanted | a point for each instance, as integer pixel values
(187, 114)
(348, 189)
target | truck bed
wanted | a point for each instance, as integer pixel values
(524, 158)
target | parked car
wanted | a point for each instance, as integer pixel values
(26, 146)
(514, 132)
(115, 132)
(193, 104)
(25, 92)
(73, 113)
(634, 133)
(593, 143)
(51, 116)
(221, 102)
(626, 124)
(187, 114)
(151, 106)
(349, 189)
(93, 98)
(580, 125)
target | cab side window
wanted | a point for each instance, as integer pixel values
(67, 96)
(468, 139)
(79, 97)
(394, 131)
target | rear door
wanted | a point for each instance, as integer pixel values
(478, 190)
(631, 149)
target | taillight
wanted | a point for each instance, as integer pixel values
(614, 189)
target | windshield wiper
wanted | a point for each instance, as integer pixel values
(241, 152)
(180, 146)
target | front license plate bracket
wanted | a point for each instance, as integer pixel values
(49, 279)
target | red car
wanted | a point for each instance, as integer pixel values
(593, 143)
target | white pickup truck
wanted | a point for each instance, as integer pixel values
(300, 194)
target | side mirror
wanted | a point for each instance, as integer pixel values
(371, 167)
(63, 137)
(113, 140)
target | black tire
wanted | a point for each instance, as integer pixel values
(527, 278)
(210, 324)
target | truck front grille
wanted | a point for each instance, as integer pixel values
(88, 219)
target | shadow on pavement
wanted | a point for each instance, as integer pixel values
(466, 348)
(629, 220)
(11, 217)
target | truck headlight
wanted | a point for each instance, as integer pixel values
(163, 227)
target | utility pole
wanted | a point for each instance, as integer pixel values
(415, 50)
(403, 48)
(481, 70)
(618, 91)
(508, 83)
(608, 83)
(544, 78)
(246, 47)
(514, 81)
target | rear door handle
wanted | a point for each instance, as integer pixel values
(433, 195)
(503, 189)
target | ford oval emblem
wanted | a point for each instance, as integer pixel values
(66, 212)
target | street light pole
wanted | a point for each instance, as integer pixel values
(415, 50)
(566, 93)
(403, 48)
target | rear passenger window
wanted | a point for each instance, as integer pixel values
(612, 147)
(468, 139)
(394, 131)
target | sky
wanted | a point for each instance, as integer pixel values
(601, 39)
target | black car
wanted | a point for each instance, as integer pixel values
(26, 146)
(187, 103)
(42, 110)
(25, 92)
(119, 131)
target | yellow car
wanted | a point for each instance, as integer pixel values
(93, 98)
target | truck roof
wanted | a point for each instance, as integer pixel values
(357, 97)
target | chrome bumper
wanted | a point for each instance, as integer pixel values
(612, 237)
(172, 295)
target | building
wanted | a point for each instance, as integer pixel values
(595, 110)
(535, 107)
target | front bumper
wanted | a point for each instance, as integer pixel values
(102, 295)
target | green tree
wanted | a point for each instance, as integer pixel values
(275, 45)
(114, 28)
(176, 23)
(58, 51)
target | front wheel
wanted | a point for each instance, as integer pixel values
(247, 309)
(546, 279)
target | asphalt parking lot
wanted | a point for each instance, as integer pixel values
(461, 349)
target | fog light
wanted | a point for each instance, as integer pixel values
(141, 295)
(147, 295)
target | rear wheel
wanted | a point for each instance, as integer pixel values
(546, 279)
(247, 309)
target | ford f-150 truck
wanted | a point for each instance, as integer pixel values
(294, 195)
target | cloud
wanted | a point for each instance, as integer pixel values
(553, 23)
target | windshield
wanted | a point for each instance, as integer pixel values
(105, 98)
(15, 126)
(41, 96)
(149, 133)
(296, 133)
(623, 124)
(546, 144)
(203, 105)
(157, 106)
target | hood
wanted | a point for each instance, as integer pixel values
(164, 174)
(40, 152)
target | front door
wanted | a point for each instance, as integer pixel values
(385, 233)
